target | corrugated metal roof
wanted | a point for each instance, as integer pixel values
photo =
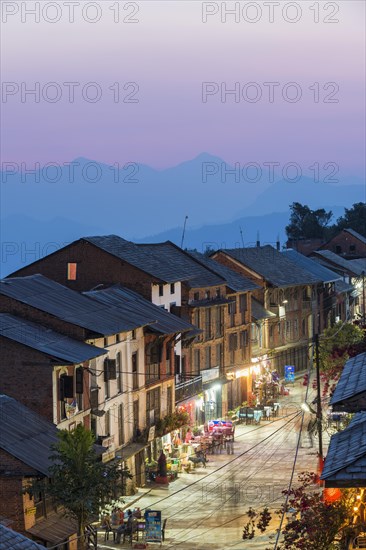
(26, 435)
(272, 266)
(11, 540)
(235, 281)
(54, 529)
(130, 303)
(313, 267)
(46, 341)
(165, 261)
(352, 382)
(342, 286)
(259, 312)
(347, 452)
(72, 307)
(354, 267)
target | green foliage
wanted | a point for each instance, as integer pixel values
(354, 218)
(80, 481)
(337, 344)
(312, 523)
(306, 223)
(173, 421)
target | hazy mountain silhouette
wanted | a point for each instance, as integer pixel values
(135, 201)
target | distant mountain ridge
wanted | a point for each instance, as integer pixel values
(62, 203)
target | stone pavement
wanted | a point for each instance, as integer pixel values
(205, 509)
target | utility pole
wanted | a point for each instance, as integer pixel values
(319, 415)
(363, 299)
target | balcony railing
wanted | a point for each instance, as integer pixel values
(188, 388)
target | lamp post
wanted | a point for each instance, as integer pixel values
(319, 415)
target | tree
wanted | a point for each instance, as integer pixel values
(336, 345)
(306, 223)
(314, 523)
(80, 481)
(354, 218)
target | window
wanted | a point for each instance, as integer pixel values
(219, 355)
(79, 387)
(106, 379)
(352, 248)
(288, 328)
(244, 343)
(208, 323)
(197, 361)
(243, 303)
(121, 431)
(66, 390)
(233, 344)
(296, 327)
(161, 290)
(136, 415)
(338, 249)
(133, 334)
(107, 423)
(172, 288)
(152, 406)
(218, 293)
(196, 318)
(105, 343)
(219, 321)
(208, 358)
(118, 338)
(169, 398)
(207, 295)
(71, 271)
(232, 311)
(303, 327)
(196, 296)
(135, 380)
(119, 372)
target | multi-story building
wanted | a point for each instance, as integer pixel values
(177, 281)
(26, 440)
(283, 304)
(347, 243)
(104, 376)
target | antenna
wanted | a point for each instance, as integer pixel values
(184, 230)
(241, 235)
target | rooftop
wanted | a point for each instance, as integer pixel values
(72, 307)
(26, 435)
(235, 281)
(259, 312)
(345, 464)
(128, 303)
(350, 393)
(35, 336)
(354, 267)
(272, 265)
(11, 540)
(165, 261)
(320, 272)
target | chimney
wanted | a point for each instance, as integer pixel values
(258, 241)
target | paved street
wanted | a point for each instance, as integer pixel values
(206, 509)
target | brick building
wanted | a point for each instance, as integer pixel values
(287, 291)
(25, 448)
(347, 243)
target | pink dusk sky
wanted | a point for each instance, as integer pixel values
(169, 52)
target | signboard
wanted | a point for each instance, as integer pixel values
(289, 373)
(153, 526)
(31, 511)
(151, 433)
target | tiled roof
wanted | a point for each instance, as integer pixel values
(35, 336)
(165, 261)
(357, 235)
(11, 540)
(272, 266)
(350, 393)
(72, 307)
(313, 267)
(235, 281)
(345, 265)
(126, 302)
(259, 312)
(26, 435)
(346, 459)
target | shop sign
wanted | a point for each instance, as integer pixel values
(71, 409)
(210, 374)
(153, 526)
(289, 373)
(30, 511)
(151, 435)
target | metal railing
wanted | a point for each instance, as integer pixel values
(188, 388)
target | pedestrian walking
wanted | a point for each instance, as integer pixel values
(230, 446)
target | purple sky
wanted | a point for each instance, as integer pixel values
(169, 53)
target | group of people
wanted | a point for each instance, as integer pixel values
(120, 522)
